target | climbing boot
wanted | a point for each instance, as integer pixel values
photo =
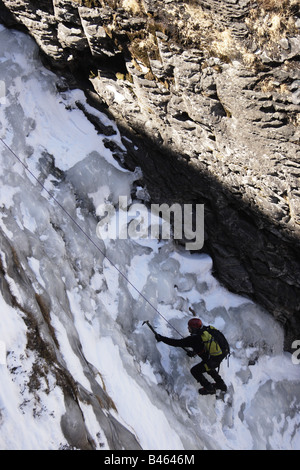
(221, 386)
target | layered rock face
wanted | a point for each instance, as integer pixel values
(207, 93)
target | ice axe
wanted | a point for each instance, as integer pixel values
(152, 329)
(150, 326)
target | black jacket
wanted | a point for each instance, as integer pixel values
(193, 341)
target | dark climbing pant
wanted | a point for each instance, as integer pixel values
(208, 367)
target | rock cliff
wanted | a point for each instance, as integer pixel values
(207, 95)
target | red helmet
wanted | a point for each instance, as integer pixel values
(195, 323)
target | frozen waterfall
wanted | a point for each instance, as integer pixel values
(91, 318)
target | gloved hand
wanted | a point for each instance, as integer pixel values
(158, 337)
(190, 353)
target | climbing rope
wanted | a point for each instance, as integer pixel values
(85, 233)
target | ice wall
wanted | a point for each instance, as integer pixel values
(79, 359)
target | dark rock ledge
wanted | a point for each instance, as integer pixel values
(207, 94)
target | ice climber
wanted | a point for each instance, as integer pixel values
(205, 345)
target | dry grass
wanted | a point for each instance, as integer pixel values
(187, 24)
(270, 84)
(196, 22)
(276, 5)
(88, 3)
(224, 45)
(133, 6)
(198, 28)
(272, 20)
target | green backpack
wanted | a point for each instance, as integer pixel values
(219, 338)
